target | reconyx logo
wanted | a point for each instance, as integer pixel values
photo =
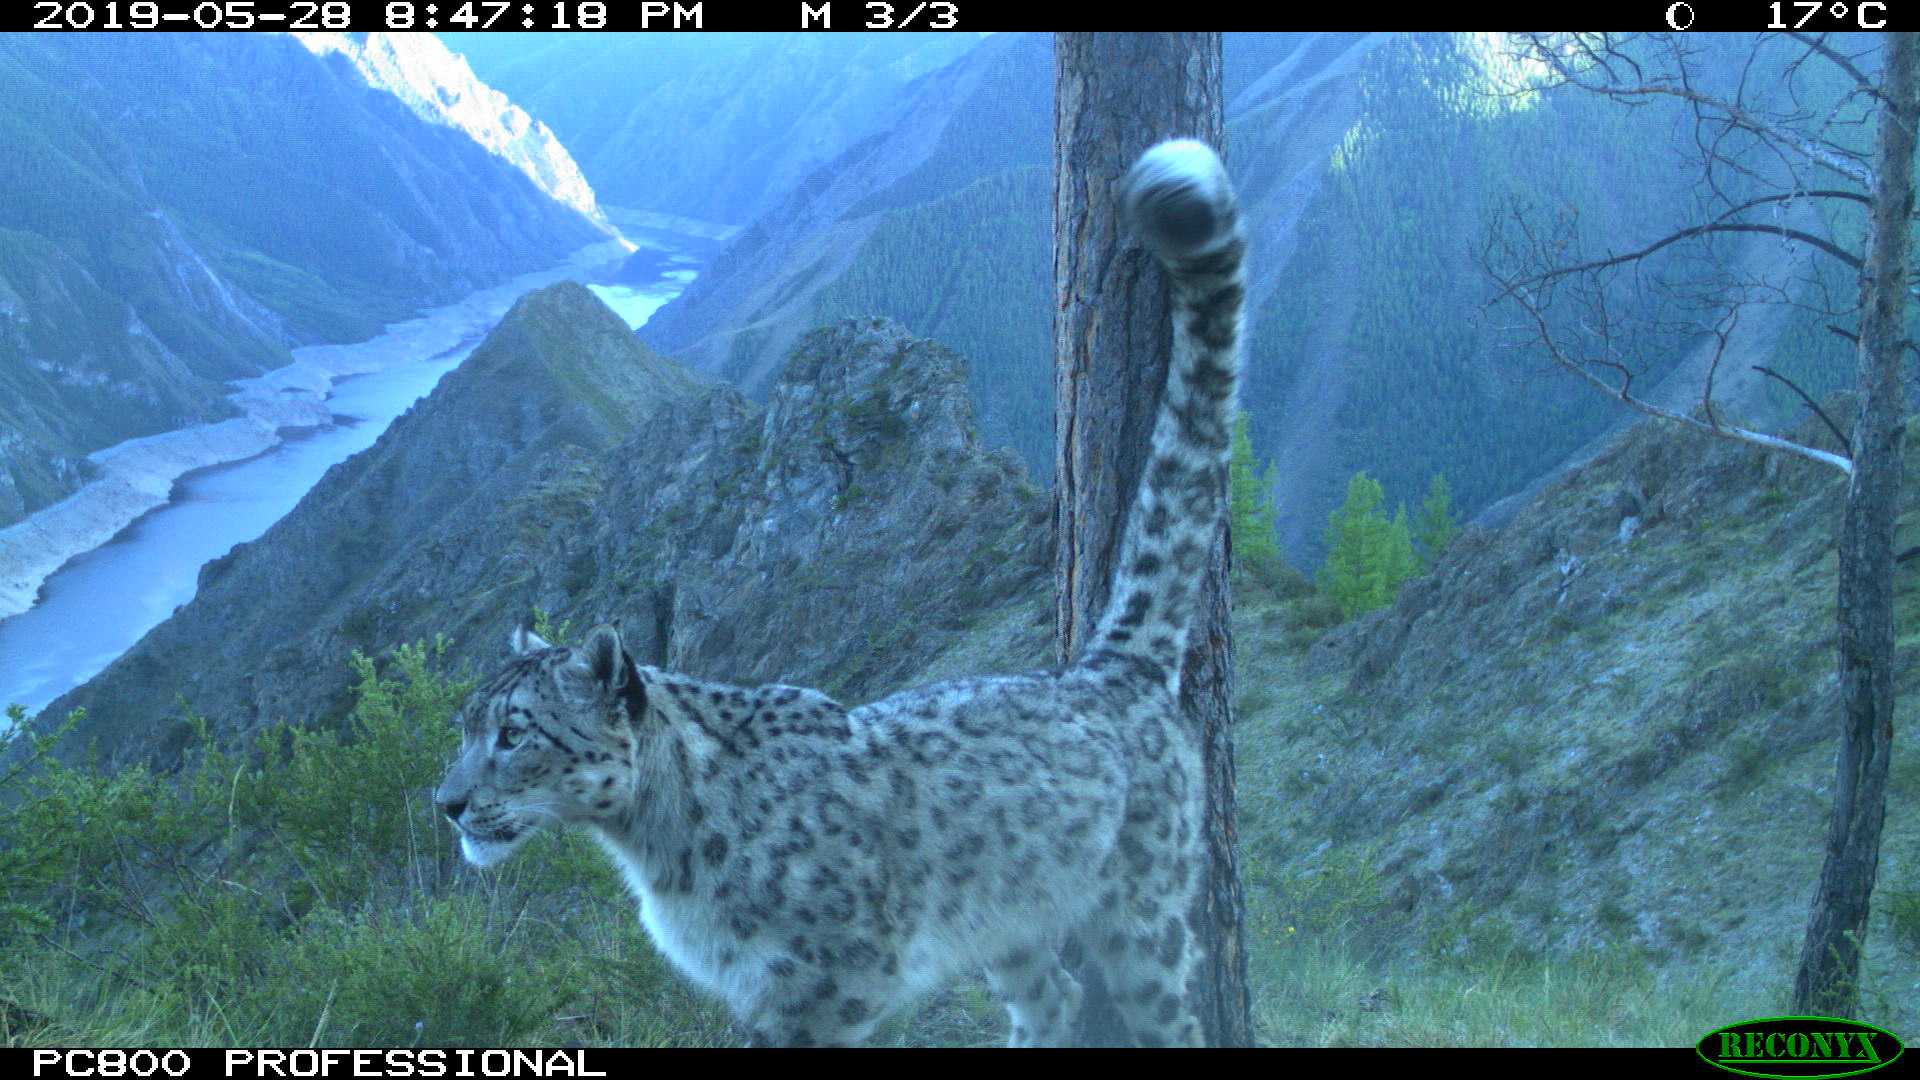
(1799, 1047)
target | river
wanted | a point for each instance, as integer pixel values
(99, 604)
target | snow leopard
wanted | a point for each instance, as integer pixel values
(817, 866)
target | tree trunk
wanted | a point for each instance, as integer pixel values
(1828, 980)
(1114, 96)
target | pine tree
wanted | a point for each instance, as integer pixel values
(1368, 556)
(1402, 564)
(1436, 526)
(1255, 548)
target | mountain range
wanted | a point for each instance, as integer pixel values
(1370, 167)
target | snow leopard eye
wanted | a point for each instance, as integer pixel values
(510, 737)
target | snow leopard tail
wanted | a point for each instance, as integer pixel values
(1178, 202)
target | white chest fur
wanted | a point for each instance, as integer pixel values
(691, 931)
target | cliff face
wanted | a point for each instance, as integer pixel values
(840, 535)
(440, 88)
(180, 208)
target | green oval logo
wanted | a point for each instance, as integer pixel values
(1799, 1047)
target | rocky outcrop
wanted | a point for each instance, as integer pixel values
(840, 535)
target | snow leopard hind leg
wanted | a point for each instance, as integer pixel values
(814, 1005)
(1042, 998)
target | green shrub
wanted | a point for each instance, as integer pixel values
(448, 972)
(334, 802)
(1318, 611)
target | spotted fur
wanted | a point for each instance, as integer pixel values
(817, 866)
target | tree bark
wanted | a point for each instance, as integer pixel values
(1827, 983)
(1116, 95)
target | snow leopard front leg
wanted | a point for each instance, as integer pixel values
(809, 1007)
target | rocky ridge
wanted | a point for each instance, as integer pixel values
(840, 535)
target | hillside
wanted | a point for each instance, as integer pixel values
(985, 112)
(181, 208)
(1606, 729)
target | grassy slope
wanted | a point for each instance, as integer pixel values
(1561, 749)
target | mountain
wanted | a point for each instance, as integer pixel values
(1370, 168)
(440, 88)
(841, 535)
(713, 127)
(181, 208)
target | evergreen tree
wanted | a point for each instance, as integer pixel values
(1436, 526)
(1255, 548)
(1402, 564)
(1368, 556)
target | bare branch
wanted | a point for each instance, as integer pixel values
(1534, 296)
(1699, 230)
(1709, 427)
(1577, 66)
(1844, 63)
(1721, 332)
(1722, 225)
(1811, 404)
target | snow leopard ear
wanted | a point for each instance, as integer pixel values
(600, 657)
(602, 669)
(523, 641)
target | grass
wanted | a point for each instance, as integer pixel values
(1330, 982)
(300, 893)
(1327, 992)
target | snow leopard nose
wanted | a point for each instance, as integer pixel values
(453, 810)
